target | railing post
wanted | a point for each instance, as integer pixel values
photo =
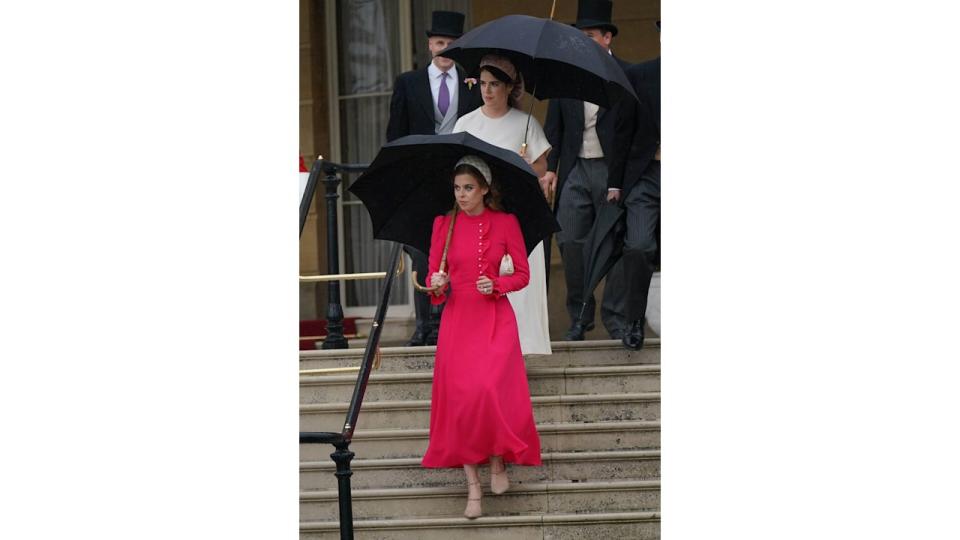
(342, 458)
(315, 170)
(335, 339)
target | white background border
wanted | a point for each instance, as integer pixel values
(149, 292)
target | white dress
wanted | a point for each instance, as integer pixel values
(530, 303)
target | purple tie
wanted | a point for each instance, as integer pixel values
(443, 99)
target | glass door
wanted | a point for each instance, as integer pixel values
(370, 42)
(367, 38)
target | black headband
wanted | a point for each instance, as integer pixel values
(498, 73)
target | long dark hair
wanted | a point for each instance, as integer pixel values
(492, 198)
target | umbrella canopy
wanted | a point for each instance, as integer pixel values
(410, 182)
(556, 60)
(602, 247)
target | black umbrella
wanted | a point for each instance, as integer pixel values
(602, 247)
(556, 59)
(410, 182)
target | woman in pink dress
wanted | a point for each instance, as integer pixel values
(480, 408)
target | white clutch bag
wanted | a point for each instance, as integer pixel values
(506, 265)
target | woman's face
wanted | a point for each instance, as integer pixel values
(469, 194)
(494, 92)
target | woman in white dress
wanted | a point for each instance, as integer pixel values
(500, 122)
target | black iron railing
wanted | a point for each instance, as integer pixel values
(330, 170)
(341, 441)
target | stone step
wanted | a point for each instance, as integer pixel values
(560, 437)
(562, 408)
(416, 386)
(371, 473)
(565, 354)
(554, 526)
(533, 498)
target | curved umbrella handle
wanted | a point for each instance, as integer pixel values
(422, 288)
(443, 260)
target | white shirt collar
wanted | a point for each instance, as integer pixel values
(434, 72)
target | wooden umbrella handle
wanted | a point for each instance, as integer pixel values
(443, 260)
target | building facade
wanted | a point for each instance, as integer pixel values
(351, 51)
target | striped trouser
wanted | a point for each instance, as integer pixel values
(584, 190)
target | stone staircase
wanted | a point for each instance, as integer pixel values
(597, 407)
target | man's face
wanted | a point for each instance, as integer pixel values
(603, 38)
(437, 44)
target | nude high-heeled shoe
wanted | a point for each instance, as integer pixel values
(473, 510)
(499, 482)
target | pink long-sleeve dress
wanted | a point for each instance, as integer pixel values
(480, 404)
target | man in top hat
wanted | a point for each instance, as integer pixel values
(590, 148)
(429, 101)
(641, 197)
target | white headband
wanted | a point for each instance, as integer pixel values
(479, 164)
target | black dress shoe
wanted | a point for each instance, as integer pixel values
(633, 338)
(432, 336)
(418, 339)
(576, 332)
(616, 333)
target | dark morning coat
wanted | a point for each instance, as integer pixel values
(564, 131)
(411, 107)
(645, 79)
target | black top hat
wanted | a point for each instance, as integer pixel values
(446, 23)
(595, 14)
